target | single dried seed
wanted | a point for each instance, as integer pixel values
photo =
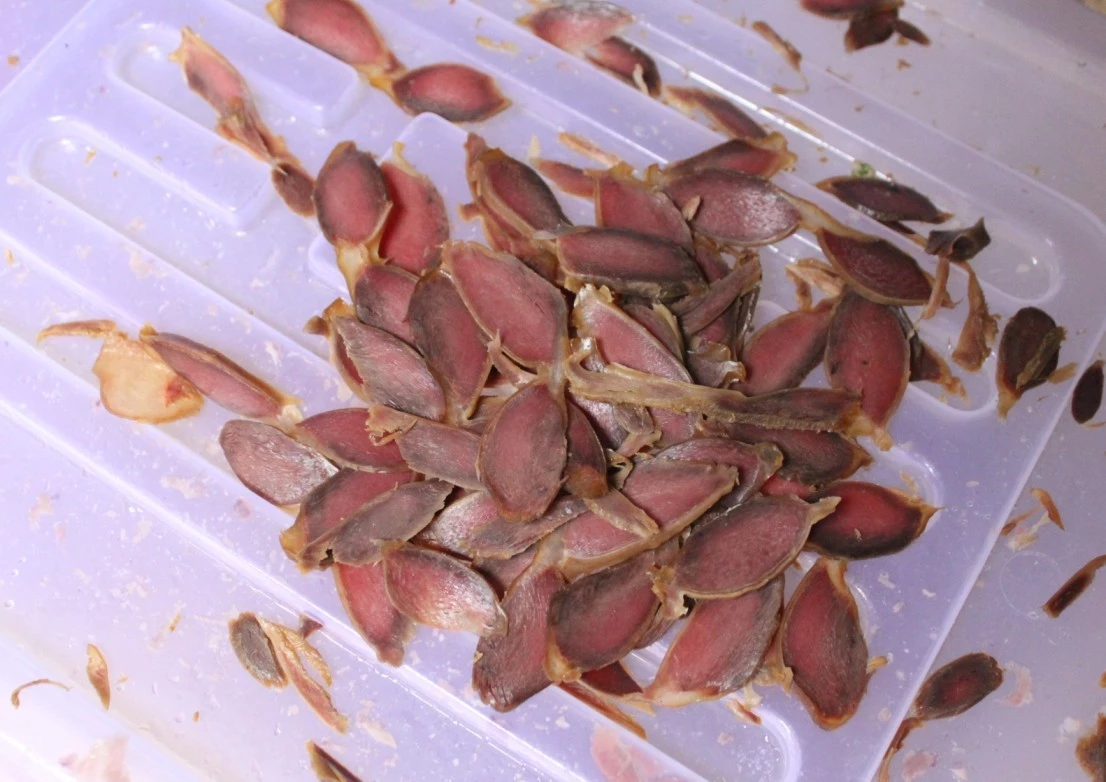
(1087, 396)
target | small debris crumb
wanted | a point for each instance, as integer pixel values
(90, 155)
(372, 727)
(44, 506)
(929, 594)
(1068, 728)
(190, 488)
(509, 47)
(561, 722)
(898, 606)
(903, 65)
(13, 60)
(885, 580)
(195, 716)
(884, 714)
(9, 256)
(1023, 686)
(916, 763)
(724, 739)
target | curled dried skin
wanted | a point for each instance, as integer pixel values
(18, 691)
(960, 245)
(378, 367)
(451, 340)
(327, 506)
(135, 382)
(823, 645)
(722, 114)
(869, 521)
(1073, 587)
(622, 59)
(782, 353)
(382, 297)
(672, 493)
(507, 299)
(699, 311)
(741, 549)
(809, 458)
(418, 223)
(926, 364)
(97, 671)
(734, 207)
(352, 202)
(577, 25)
(510, 669)
(763, 157)
(220, 379)
(453, 91)
(627, 262)
(957, 686)
(523, 452)
(340, 28)
(365, 599)
(719, 647)
(606, 706)
(597, 619)
(786, 49)
(326, 766)
(271, 464)
(622, 201)
(979, 331)
(868, 353)
(1028, 353)
(1086, 398)
(289, 649)
(876, 268)
(883, 200)
(343, 437)
(586, 463)
(399, 514)
(437, 590)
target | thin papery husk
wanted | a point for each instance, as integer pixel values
(135, 382)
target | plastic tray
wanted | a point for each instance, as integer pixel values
(121, 202)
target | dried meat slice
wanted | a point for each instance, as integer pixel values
(782, 353)
(719, 647)
(735, 551)
(399, 514)
(822, 643)
(869, 521)
(577, 25)
(597, 619)
(451, 340)
(523, 452)
(509, 300)
(733, 207)
(510, 669)
(868, 353)
(437, 590)
(453, 91)
(1028, 353)
(378, 367)
(271, 464)
(341, 28)
(883, 200)
(343, 437)
(382, 298)
(220, 379)
(418, 224)
(722, 114)
(328, 505)
(627, 62)
(135, 382)
(622, 201)
(876, 268)
(365, 598)
(627, 262)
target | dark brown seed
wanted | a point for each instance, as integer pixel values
(954, 688)
(723, 114)
(822, 643)
(457, 92)
(621, 58)
(883, 200)
(869, 521)
(877, 268)
(927, 365)
(868, 353)
(1073, 587)
(959, 245)
(255, 651)
(756, 463)
(843, 9)
(1087, 396)
(326, 766)
(364, 596)
(1028, 353)
(338, 27)
(870, 29)
(734, 207)
(271, 464)
(576, 26)
(1091, 751)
